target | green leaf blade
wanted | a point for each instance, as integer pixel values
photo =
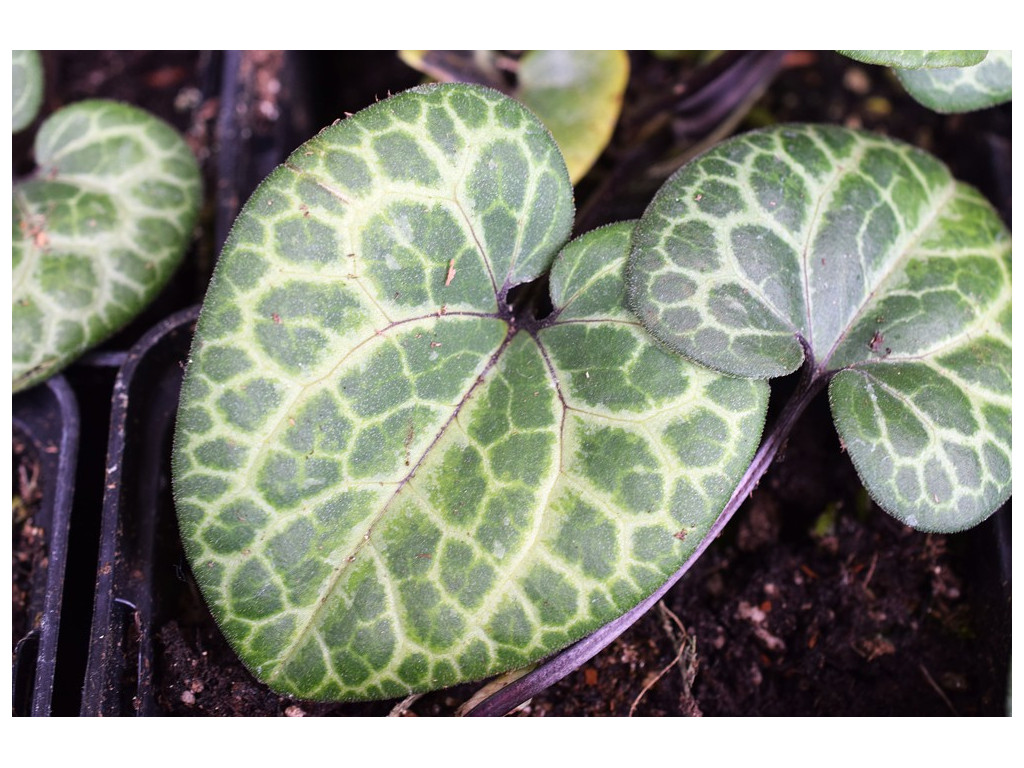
(935, 455)
(893, 266)
(351, 326)
(659, 440)
(918, 59)
(962, 88)
(408, 495)
(98, 233)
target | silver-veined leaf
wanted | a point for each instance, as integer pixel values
(962, 89)
(865, 254)
(386, 480)
(97, 232)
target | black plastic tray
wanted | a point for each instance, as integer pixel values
(47, 418)
(145, 400)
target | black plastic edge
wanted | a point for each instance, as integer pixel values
(144, 403)
(47, 415)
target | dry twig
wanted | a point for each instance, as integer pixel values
(687, 646)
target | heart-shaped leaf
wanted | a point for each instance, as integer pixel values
(388, 479)
(97, 232)
(918, 59)
(26, 88)
(962, 89)
(864, 254)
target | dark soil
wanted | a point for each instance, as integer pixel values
(28, 541)
(814, 601)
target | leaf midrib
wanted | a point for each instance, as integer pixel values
(455, 199)
(300, 390)
(816, 221)
(898, 260)
(312, 621)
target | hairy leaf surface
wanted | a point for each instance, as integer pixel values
(918, 59)
(387, 481)
(867, 255)
(97, 232)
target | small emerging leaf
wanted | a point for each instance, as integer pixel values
(26, 88)
(97, 232)
(865, 253)
(962, 89)
(918, 59)
(386, 481)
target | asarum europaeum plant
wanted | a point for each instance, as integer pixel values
(98, 230)
(395, 470)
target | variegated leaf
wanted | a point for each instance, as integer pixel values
(962, 89)
(388, 479)
(864, 254)
(97, 232)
